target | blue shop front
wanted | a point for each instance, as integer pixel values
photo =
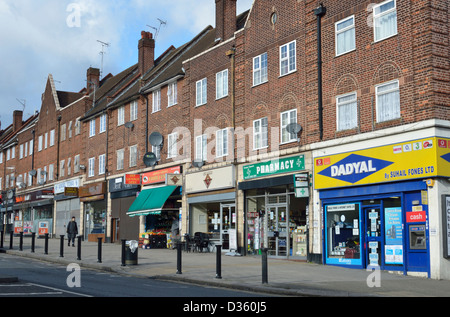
(375, 205)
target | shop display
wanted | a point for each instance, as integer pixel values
(155, 240)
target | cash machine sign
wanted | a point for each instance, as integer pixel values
(354, 168)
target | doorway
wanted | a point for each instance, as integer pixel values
(228, 236)
(374, 238)
(277, 230)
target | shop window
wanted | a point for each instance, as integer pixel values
(343, 234)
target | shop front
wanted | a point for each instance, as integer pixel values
(67, 204)
(94, 205)
(122, 197)
(211, 197)
(377, 204)
(33, 212)
(158, 208)
(276, 206)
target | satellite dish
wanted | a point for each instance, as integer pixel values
(294, 128)
(198, 163)
(129, 125)
(33, 173)
(150, 159)
(156, 139)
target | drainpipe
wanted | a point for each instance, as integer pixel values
(320, 12)
(57, 148)
(232, 55)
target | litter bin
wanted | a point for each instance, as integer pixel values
(131, 252)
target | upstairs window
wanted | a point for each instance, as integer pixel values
(121, 116)
(200, 93)
(172, 94)
(260, 69)
(347, 111)
(156, 100)
(260, 133)
(388, 101)
(222, 84)
(288, 62)
(385, 20)
(92, 128)
(345, 35)
(133, 110)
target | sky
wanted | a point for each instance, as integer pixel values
(63, 38)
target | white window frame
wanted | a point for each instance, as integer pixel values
(102, 127)
(222, 84)
(46, 140)
(91, 167)
(120, 154)
(287, 59)
(13, 152)
(51, 171)
(62, 168)
(63, 132)
(172, 94)
(76, 164)
(133, 156)
(285, 136)
(121, 116)
(350, 29)
(156, 96)
(31, 147)
(77, 126)
(201, 147)
(52, 137)
(377, 20)
(345, 100)
(39, 144)
(260, 74)
(21, 152)
(201, 94)
(172, 147)
(382, 117)
(92, 128)
(101, 164)
(222, 142)
(133, 110)
(260, 136)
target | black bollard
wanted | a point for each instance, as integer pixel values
(264, 266)
(61, 246)
(99, 257)
(219, 262)
(46, 244)
(179, 258)
(21, 241)
(33, 237)
(11, 237)
(79, 248)
(123, 252)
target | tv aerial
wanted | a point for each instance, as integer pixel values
(161, 22)
(102, 53)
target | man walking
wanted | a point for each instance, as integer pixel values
(72, 231)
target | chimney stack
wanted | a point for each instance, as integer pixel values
(146, 52)
(17, 120)
(93, 79)
(225, 19)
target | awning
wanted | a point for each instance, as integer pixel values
(150, 201)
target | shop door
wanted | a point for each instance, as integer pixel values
(277, 231)
(374, 238)
(228, 227)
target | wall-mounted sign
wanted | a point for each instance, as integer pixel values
(275, 166)
(159, 176)
(71, 191)
(413, 159)
(132, 179)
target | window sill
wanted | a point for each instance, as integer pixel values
(287, 74)
(262, 83)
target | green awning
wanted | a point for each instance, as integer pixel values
(150, 201)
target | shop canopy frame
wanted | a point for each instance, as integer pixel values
(150, 201)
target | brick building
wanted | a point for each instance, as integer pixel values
(317, 131)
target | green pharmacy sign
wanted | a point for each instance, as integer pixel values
(276, 166)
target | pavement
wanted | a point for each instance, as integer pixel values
(284, 278)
